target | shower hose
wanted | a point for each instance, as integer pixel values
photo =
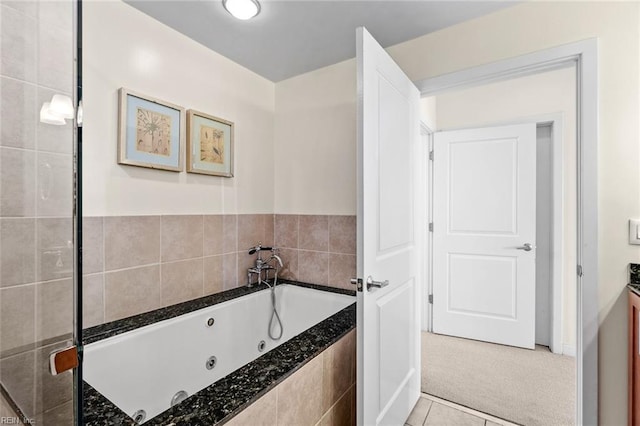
(274, 313)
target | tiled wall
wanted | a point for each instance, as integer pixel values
(323, 392)
(318, 249)
(136, 264)
(35, 204)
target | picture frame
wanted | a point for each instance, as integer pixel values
(151, 132)
(209, 144)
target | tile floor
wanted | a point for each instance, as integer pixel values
(433, 411)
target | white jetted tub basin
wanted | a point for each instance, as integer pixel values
(145, 368)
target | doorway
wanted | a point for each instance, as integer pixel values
(480, 303)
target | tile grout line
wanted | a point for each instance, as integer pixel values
(424, 422)
(467, 410)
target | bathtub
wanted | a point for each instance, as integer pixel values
(155, 366)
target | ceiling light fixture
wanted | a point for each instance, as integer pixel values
(242, 9)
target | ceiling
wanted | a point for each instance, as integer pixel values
(292, 37)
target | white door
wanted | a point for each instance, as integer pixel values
(388, 317)
(484, 230)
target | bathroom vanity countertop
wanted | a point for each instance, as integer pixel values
(221, 401)
(634, 288)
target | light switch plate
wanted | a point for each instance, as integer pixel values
(634, 231)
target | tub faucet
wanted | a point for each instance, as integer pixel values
(262, 266)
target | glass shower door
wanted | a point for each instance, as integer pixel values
(38, 271)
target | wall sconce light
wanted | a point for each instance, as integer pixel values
(57, 110)
(62, 105)
(48, 118)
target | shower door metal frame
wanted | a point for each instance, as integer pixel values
(77, 212)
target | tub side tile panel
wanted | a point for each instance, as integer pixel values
(338, 361)
(327, 419)
(131, 291)
(260, 413)
(354, 409)
(341, 411)
(300, 396)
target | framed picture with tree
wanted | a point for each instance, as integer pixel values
(151, 132)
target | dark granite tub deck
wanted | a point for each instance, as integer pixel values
(221, 401)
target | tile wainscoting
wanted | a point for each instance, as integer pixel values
(318, 249)
(134, 264)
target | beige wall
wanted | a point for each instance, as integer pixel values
(315, 142)
(325, 100)
(522, 99)
(126, 48)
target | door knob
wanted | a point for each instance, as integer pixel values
(377, 284)
(526, 247)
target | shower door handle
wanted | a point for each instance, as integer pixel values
(377, 284)
(63, 360)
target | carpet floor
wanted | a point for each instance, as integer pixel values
(528, 387)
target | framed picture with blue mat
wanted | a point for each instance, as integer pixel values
(209, 144)
(151, 132)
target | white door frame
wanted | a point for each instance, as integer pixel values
(584, 54)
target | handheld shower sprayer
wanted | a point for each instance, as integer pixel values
(263, 265)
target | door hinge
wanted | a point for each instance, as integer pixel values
(579, 270)
(431, 299)
(431, 155)
(430, 226)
